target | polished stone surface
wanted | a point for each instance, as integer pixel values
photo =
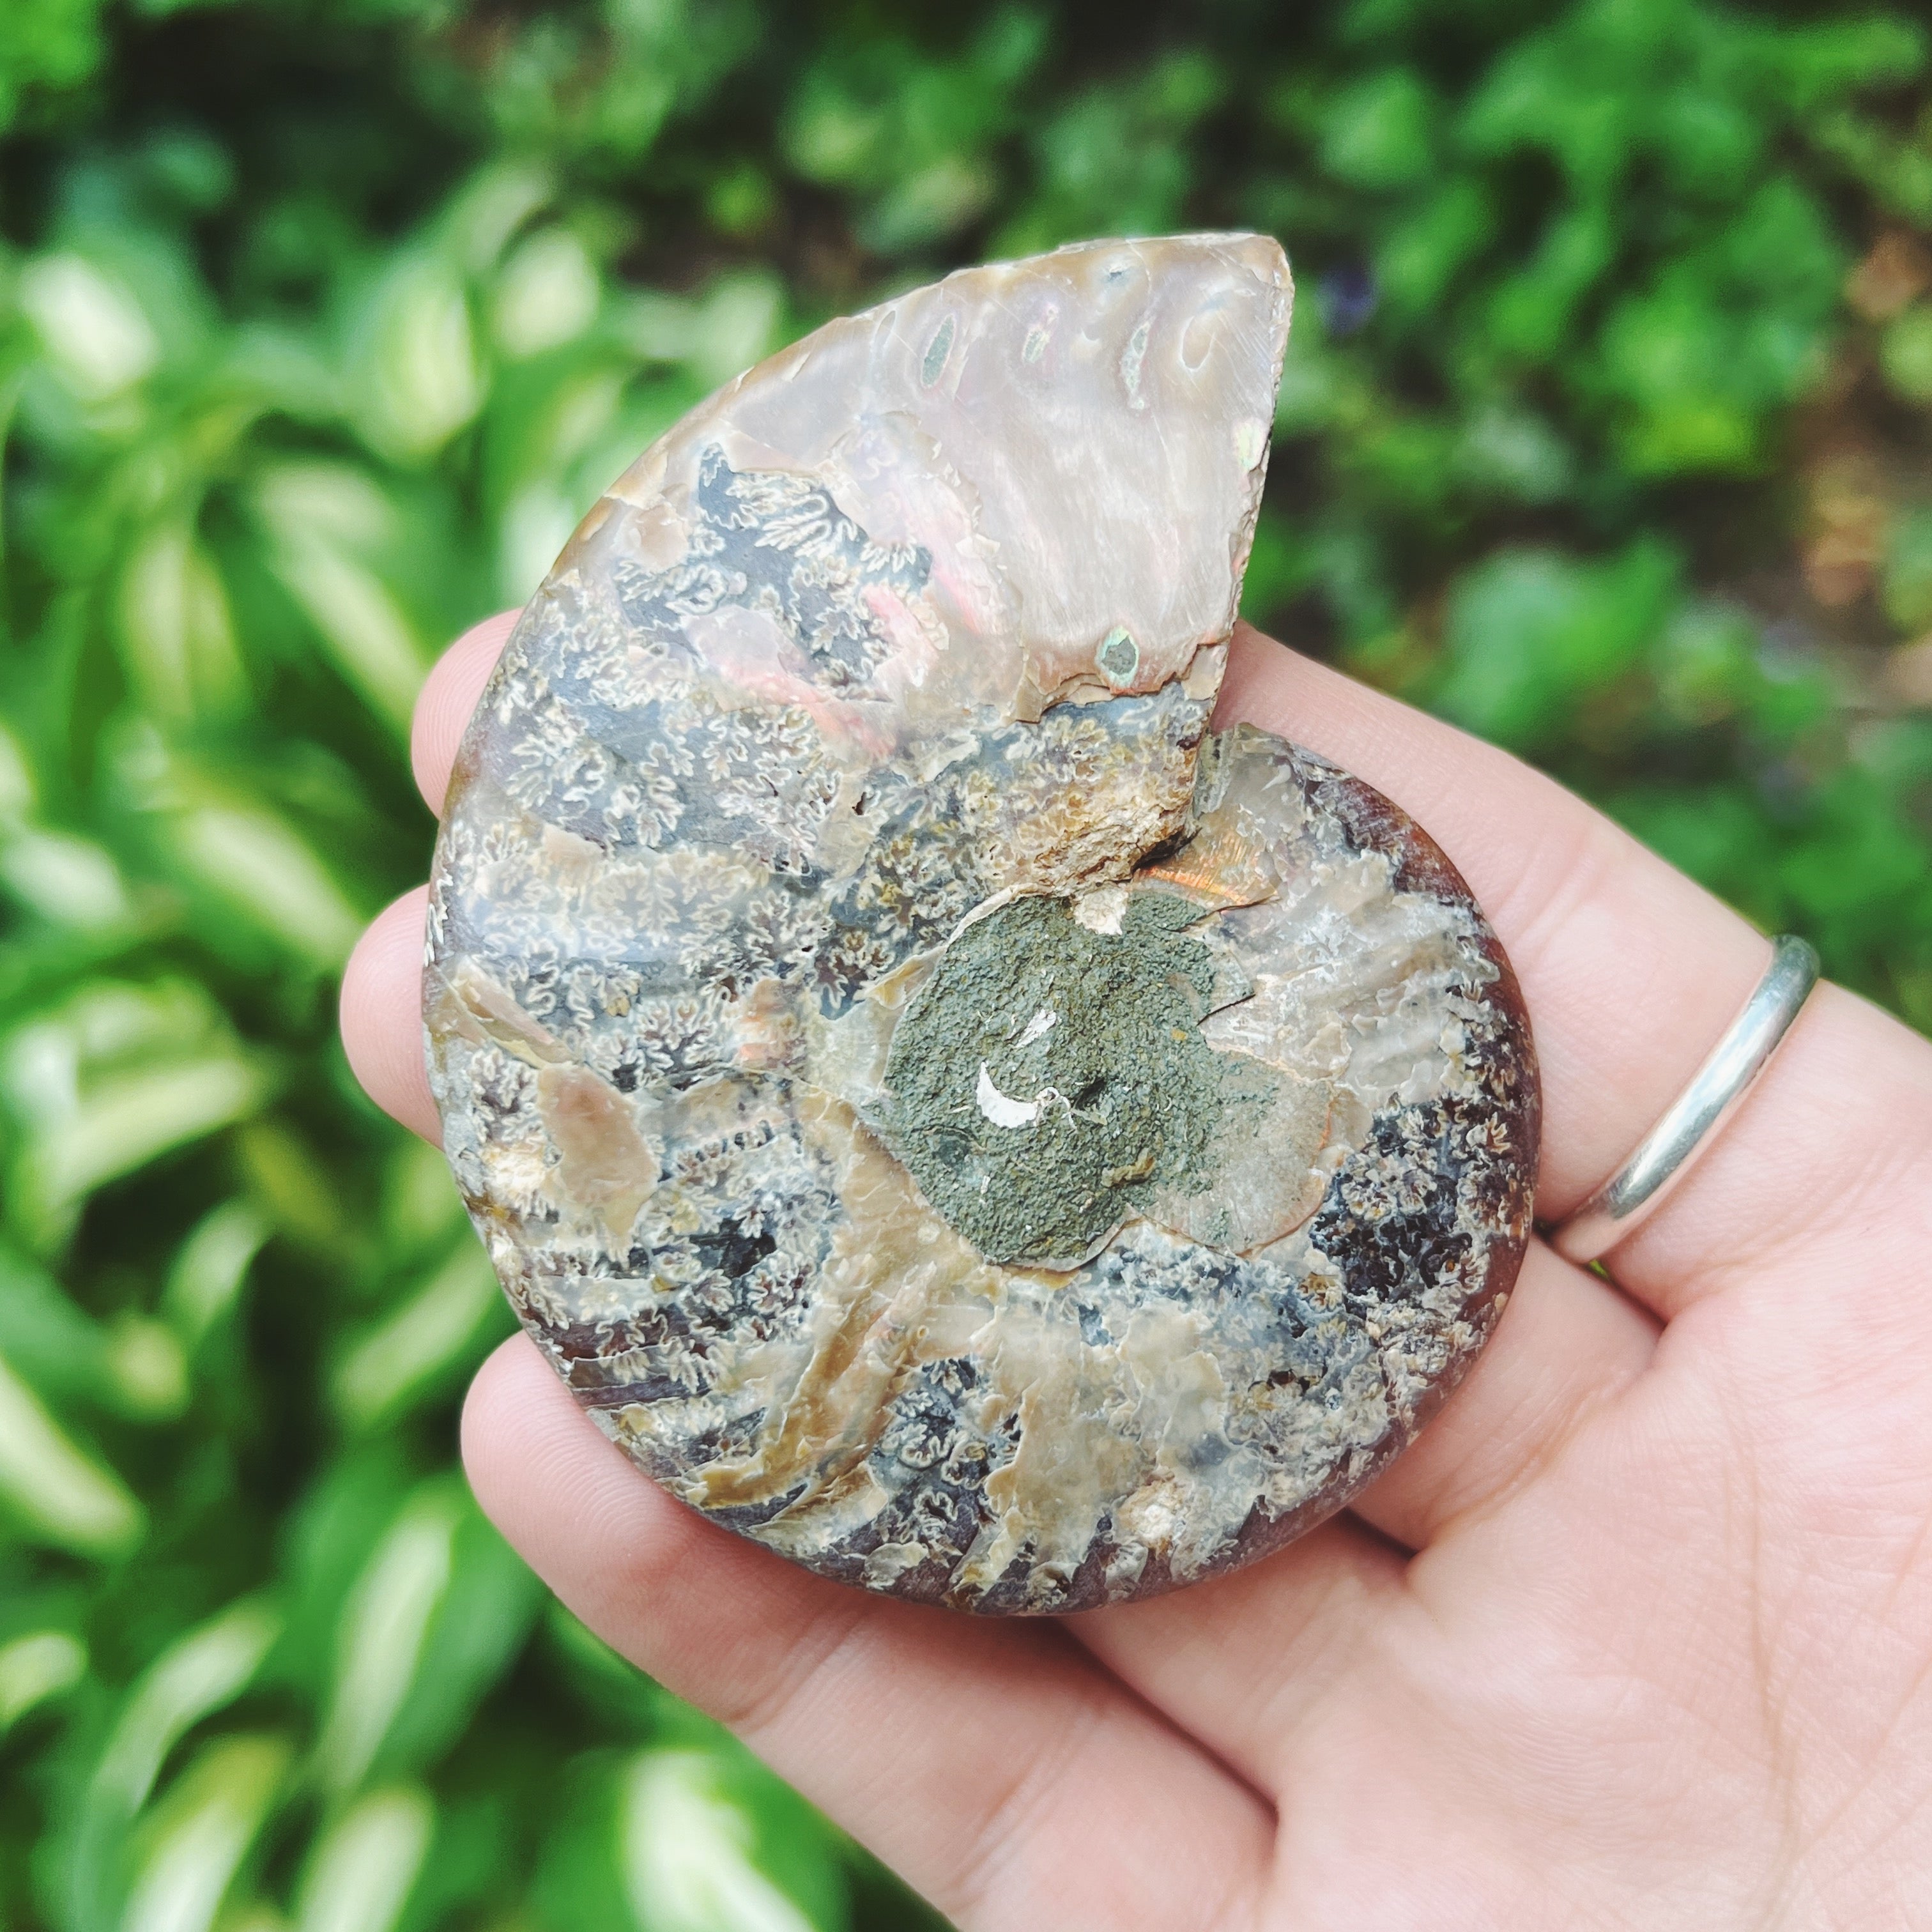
(947, 1114)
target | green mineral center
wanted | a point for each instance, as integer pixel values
(1051, 1079)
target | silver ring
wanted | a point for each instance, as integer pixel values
(1664, 1156)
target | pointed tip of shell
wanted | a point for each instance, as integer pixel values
(1077, 441)
(1260, 255)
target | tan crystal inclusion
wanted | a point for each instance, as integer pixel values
(946, 1113)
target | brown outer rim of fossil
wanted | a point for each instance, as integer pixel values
(1377, 823)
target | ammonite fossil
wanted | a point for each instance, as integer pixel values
(947, 1113)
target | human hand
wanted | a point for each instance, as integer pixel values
(1637, 1634)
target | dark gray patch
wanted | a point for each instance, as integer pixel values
(1118, 657)
(773, 540)
(937, 351)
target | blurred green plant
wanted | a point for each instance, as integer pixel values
(1605, 431)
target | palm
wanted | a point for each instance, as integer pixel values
(1663, 1682)
(1639, 1632)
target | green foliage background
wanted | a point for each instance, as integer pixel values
(1605, 431)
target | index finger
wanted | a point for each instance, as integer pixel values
(448, 696)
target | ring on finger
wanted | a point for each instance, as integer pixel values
(1693, 1121)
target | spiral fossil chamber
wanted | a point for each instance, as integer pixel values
(946, 1112)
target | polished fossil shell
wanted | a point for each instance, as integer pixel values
(945, 1114)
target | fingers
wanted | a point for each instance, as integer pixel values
(381, 1014)
(448, 697)
(382, 984)
(1835, 1136)
(1569, 1346)
(1631, 973)
(1248, 1663)
(1631, 970)
(994, 1764)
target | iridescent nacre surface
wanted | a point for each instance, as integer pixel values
(946, 1113)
